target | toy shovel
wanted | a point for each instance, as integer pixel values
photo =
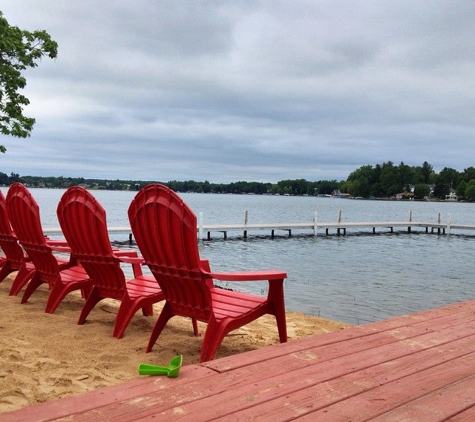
(170, 371)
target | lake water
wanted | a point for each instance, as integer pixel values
(356, 278)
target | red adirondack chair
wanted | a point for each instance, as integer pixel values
(14, 258)
(164, 228)
(83, 222)
(62, 275)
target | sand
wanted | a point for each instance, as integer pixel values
(45, 356)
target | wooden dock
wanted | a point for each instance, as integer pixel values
(338, 227)
(418, 367)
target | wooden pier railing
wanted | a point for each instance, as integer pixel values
(339, 227)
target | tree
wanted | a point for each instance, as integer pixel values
(425, 172)
(19, 50)
(421, 190)
(470, 191)
(460, 191)
(406, 175)
(449, 176)
(468, 174)
(390, 180)
(3, 178)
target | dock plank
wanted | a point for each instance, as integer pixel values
(295, 392)
(312, 226)
(447, 316)
(234, 389)
(73, 406)
(389, 396)
(415, 367)
(468, 415)
(449, 403)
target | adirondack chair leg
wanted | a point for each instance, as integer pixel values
(281, 326)
(59, 291)
(195, 327)
(31, 287)
(5, 270)
(147, 310)
(276, 298)
(86, 291)
(127, 310)
(23, 276)
(162, 320)
(57, 294)
(92, 300)
(214, 335)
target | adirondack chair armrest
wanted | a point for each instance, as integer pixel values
(269, 275)
(205, 265)
(64, 248)
(60, 248)
(274, 278)
(131, 257)
(125, 253)
(56, 242)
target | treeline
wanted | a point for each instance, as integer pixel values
(385, 180)
(388, 180)
(284, 187)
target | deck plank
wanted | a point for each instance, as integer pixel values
(108, 396)
(415, 367)
(323, 385)
(448, 403)
(440, 318)
(234, 389)
(366, 405)
(468, 415)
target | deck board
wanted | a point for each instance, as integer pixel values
(418, 367)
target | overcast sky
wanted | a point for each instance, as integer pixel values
(250, 90)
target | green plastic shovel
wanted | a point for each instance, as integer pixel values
(170, 371)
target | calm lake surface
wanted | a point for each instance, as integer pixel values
(356, 278)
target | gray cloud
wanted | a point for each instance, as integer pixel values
(250, 90)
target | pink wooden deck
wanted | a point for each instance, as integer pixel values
(418, 367)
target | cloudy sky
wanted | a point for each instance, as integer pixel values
(256, 90)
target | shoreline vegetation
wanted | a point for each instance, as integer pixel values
(382, 181)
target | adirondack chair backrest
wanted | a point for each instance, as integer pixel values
(164, 228)
(8, 241)
(83, 223)
(25, 219)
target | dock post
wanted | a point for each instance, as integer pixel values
(315, 219)
(200, 226)
(339, 221)
(409, 219)
(245, 223)
(449, 223)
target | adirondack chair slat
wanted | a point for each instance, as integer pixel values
(83, 222)
(164, 228)
(62, 275)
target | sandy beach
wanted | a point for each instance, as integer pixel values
(49, 356)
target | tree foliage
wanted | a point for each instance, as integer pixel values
(381, 181)
(19, 50)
